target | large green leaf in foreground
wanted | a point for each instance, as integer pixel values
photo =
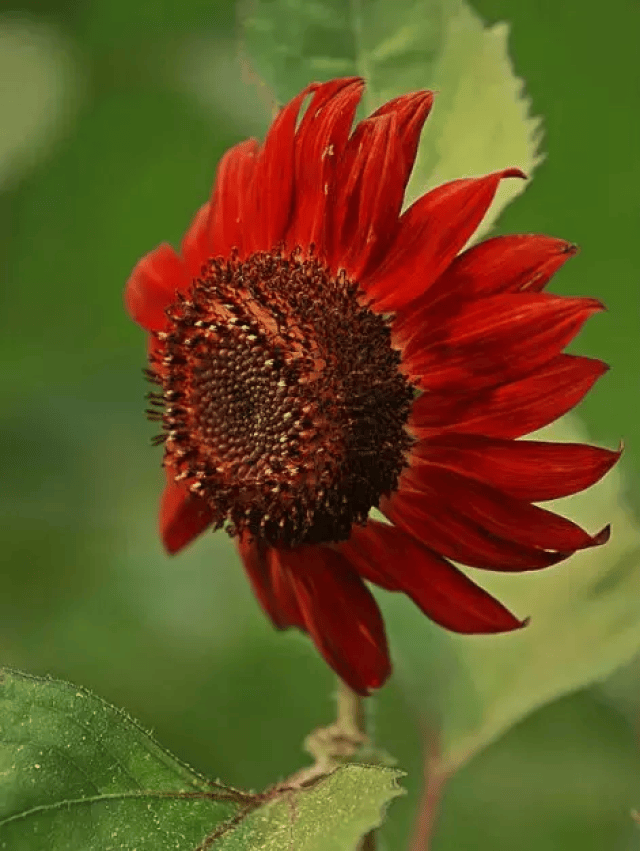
(79, 775)
(480, 122)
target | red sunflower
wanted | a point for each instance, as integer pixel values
(320, 353)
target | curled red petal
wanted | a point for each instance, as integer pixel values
(152, 287)
(371, 180)
(369, 193)
(504, 264)
(183, 516)
(430, 234)
(495, 340)
(340, 614)
(513, 409)
(230, 211)
(470, 522)
(531, 470)
(396, 561)
(320, 141)
(449, 532)
(411, 111)
(270, 198)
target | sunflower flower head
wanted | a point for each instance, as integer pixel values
(294, 424)
(318, 352)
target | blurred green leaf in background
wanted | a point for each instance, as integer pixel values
(114, 115)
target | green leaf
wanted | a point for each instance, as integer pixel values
(585, 623)
(480, 122)
(76, 773)
(332, 815)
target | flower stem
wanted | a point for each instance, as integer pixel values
(350, 714)
(336, 744)
(351, 723)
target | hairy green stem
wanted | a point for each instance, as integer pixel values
(350, 714)
(351, 722)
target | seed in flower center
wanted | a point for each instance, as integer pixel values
(283, 404)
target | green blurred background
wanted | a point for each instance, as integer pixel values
(114, 114)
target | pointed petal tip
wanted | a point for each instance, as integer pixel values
(598, 368)
(589, 305)
(602, 537)
(512, 624)
(171, 543)
(341, 83)
(426, 97)
(514, 172)
(596, 540)
(170, 547)
(374, 683)
(356, 85)
(338, 86)
(508, 622)
(614, 457)
(563, 248)
(422, 103)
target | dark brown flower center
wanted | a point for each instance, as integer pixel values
(282, 401)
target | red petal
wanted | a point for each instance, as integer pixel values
(455, 536)
(443, 592)
(477, 525)
(371, 180)
(254, 555)
(494, 340)
(231, 217)
(283, 589)
(320, 140)
(411, 111)
(152, 287)
(340, 614)
(515, 263)
(370, 187)
(196, 245)
(271, 195)
(183, 516)
(430, 234)
(510, 410)
(532, 470)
